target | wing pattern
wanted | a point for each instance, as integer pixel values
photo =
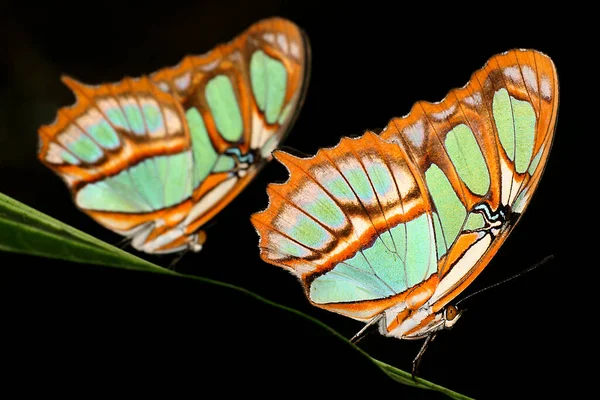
(156, 157)
(399, 224)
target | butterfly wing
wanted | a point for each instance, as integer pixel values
(481, 152)
(345, 223)
(155, 158)
(401, 223)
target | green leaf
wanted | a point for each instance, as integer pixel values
(28, 231)
(396, 374)
(406, 378)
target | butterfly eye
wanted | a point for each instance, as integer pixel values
(451, 313)
(197, 242)
(201, 237)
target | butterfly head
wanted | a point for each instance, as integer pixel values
(197, 242)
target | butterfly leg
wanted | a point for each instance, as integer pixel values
(124, 243)
(178, 258)
(417, 360)
(360, 334)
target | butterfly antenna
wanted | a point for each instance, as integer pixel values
(210, 224)
(534, 266)
(363, 332)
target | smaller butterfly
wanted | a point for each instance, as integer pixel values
(388, 229)
(155, 158)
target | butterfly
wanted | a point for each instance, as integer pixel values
(389, 228)
(155, 158)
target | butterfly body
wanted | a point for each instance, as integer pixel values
(389, 228)
(154, 158)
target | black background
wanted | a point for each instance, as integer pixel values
(85, 329)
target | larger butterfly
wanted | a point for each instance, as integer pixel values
(389, 229)
(155, 158)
